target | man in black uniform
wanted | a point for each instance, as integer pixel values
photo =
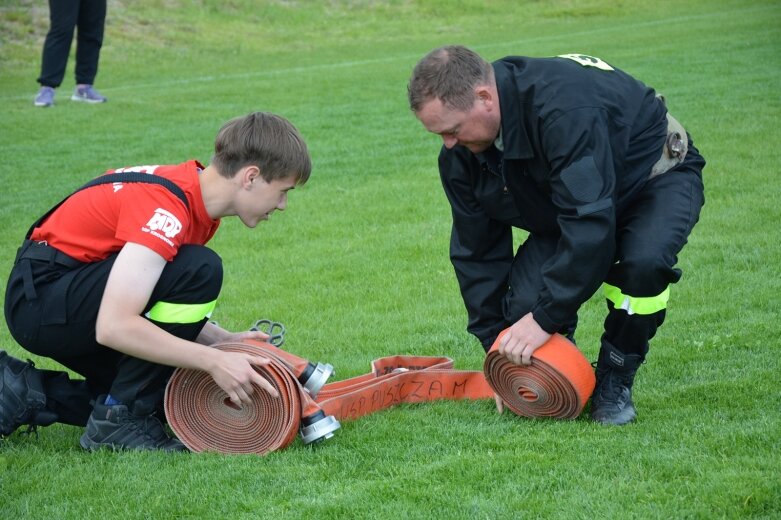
(588, 161)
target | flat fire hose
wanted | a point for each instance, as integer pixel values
(557, 384)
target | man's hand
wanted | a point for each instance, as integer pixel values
(234, 373)
(522, 339)
(499, 404)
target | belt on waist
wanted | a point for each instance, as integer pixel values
(204, 419)
(41, 251)
(676, 145)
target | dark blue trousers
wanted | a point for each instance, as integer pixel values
(89, 17)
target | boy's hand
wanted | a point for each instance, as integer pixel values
(234, 372)
(256, 335)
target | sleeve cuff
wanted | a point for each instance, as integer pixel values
(545, 322)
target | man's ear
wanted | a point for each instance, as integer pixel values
(484, 94)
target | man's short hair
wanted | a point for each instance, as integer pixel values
(265, 140)
(449, 74)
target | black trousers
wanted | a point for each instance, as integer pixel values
(65, 16)
(649, 236)
(51, 310)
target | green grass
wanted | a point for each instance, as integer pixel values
(357, 266)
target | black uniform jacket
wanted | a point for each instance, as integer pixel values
(579, 140)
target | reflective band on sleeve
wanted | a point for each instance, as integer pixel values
(165, 312)
(636, 305)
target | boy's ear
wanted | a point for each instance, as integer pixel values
(249, 175)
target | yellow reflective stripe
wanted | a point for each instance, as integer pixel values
(165, 312)
(634, 304)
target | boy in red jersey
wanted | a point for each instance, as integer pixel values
(116, 284)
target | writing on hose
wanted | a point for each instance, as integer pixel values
(413, 391)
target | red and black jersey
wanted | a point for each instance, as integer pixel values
(97, 222)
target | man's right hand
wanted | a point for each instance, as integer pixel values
(522, 339)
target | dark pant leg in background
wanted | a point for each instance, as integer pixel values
(64, 17)
(89, 39)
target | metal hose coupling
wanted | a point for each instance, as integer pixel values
(314, 377)
(318, 427)
(275, 330)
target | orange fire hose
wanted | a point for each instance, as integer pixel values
(557, 384)
(401, 379)
(204, 419)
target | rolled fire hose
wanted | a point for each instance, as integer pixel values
(556, 384)
(205, 419)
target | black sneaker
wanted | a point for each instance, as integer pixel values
(117, 428)
(22, 400)
(611, 402)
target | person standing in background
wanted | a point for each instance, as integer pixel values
(64, 16)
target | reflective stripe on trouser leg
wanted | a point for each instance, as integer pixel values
(631, 321)
(180, 304)
(142, 383)
(165, 312)
(636, 304)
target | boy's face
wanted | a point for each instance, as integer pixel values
(263, 198)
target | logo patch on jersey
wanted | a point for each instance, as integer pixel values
(587, 61)
(163, 225)
(148, 169)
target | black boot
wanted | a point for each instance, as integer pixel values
(22, 399)
(119, 428)
(611, 402)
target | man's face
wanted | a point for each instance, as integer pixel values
(475, 129)
(263, 198)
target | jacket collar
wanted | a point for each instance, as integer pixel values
(514, 137)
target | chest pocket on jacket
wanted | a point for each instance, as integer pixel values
(496, 201)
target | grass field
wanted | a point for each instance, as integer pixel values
(357, 267)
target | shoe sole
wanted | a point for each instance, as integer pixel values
(89, 445)
(44, 105)
(615, 420)
(90, 101)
